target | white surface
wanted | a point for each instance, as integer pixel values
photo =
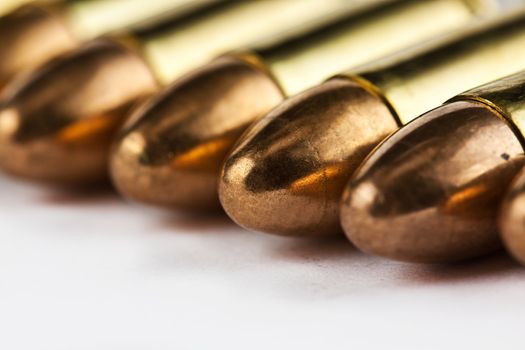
(88, 271)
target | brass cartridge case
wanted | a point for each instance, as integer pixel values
(37, 32)
(431, 191)
(170, 154)
(287, 173)
(61, 118)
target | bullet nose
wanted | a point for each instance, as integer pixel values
(171, 154)
(141, 171)
(512, 218)
(30, 36)
(430, 192)
(57, 124)
(287, 173)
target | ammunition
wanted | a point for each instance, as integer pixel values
(35, 33)
(430, 192)
(287, 173)
(512, 218)
(171, 151)
(56, 124)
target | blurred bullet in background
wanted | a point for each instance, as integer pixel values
(38, 31)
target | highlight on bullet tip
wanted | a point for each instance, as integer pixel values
(430, 192)
(287, 173)
(171, 154)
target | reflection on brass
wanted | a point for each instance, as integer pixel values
(512, 218)
(431, 191)
(239, 24)
(7, 6)
(172, 154)
(259, 184)
(34, 33)
(506, 95)
(57, 123)
(285, 175)
(369, 35)
(29, 36)
(173, 158)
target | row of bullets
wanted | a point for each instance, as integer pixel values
(413, 149)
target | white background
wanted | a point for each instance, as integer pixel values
(89, 271)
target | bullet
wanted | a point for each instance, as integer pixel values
(511, 221)
(171, 153)
(37, 32)
(57, 124)
(286, 175)
(7, 6)
(430, 192)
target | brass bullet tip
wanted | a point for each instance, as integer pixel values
(171, 152)
(512, 218)
(287, 173)
(30, 36)
(430, 192)
(56, 124)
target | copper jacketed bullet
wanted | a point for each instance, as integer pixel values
(171, 152)
(56, 124)
(430, 192)
(7, 6)
(34, 33)
(287, 173)
(512, 218)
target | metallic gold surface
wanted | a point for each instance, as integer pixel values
(431, 191)
(238, 25)
(58, 123)
(172, 158)
(88, 19)
(29, 36)
(436, 71)
(369, 35)
(443, 66)
(184, 125)
(7, 6)
(287, 173)
(507, 96)
(35, 33)
(512, 218)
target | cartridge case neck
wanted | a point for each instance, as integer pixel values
(507, 97)
(366, 35)
(175, 48)
(415, 81)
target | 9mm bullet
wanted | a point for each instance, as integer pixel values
(512, 217)
(37, 32)
(57, 124)
(287, 173)
(171, 152)
(430, 192)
